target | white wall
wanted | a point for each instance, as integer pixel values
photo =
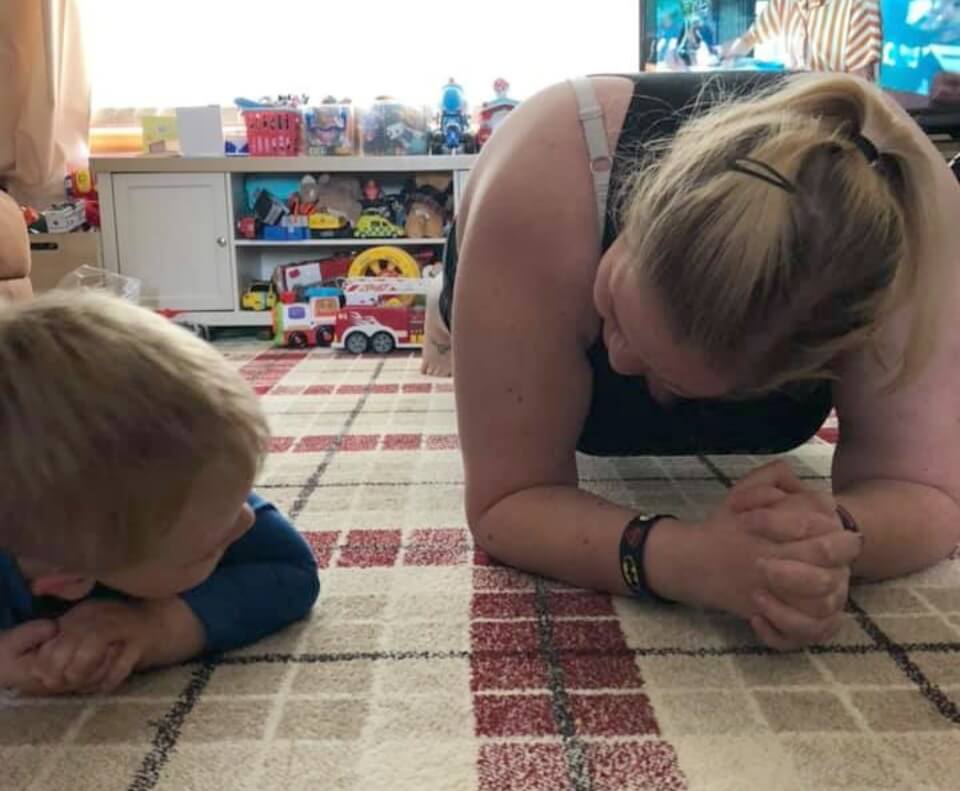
(209, 51)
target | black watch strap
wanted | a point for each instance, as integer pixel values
(633, 544)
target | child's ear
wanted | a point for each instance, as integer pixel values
(70, 587)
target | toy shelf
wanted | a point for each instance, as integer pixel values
(240, 164)
(233, 318)
(341, 243)
(171, 222)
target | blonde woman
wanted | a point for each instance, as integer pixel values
(780, 255)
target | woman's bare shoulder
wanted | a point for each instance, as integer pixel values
(537, 162)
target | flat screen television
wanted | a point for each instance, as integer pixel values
(919, 39)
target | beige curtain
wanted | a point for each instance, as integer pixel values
(44, 97)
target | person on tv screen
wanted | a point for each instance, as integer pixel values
(818, 35)
(921, 51)
(686, 38)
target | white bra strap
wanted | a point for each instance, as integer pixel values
(595, 135)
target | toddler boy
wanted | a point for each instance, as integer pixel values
(129, 537)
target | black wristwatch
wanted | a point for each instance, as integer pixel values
(633, 544)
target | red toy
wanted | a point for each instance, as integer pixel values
(375, 317)
(247, 227)
(289, 279)
(372, 191)
(80, 186)
(493, 112)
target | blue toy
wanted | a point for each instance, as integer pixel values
(320, 291)
(453, 136)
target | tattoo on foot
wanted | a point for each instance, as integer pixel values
(442, 348)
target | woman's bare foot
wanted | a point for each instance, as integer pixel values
(437, 352)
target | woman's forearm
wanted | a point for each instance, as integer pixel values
(557, 531)
(906, 526)
(571, 535)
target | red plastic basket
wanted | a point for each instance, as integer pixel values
(274, 133)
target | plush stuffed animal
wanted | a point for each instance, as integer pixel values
(437, 181)
(14, 251)
(427, 207)
(425, 220)
(340, 193)
(309, 191)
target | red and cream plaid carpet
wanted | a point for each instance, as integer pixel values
(425, 666)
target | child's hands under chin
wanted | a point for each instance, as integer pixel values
(18, 654)
(97, 648)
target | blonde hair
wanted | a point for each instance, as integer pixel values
(784, 281)
(108, 413)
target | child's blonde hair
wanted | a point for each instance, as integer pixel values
(108, 414)
(787, 279)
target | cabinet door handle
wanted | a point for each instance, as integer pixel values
(222, 241)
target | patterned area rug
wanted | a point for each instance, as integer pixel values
(425, 666)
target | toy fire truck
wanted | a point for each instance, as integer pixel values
(381, 314)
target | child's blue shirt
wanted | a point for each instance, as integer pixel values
(266, 580)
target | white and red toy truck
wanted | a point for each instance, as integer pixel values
(381, 314)
(302, 324)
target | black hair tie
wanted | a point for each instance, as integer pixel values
(868, 149)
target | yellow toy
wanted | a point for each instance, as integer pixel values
(329, 222)
(260, 295)
(386, 261)
(376, 226)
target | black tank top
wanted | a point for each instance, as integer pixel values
(624, 419)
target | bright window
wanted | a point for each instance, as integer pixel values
(183, 52)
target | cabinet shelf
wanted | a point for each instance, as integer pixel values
(345, 242)
(176, 164)
(170, 221)
(228, 318)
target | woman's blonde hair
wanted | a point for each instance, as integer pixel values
(108, 414)
(785, 278)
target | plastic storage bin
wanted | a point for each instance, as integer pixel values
(389, 127)
(329, 130)
(92, 277)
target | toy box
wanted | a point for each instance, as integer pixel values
(285, 233)
(54, 256)
(389, 127)
(65, 217)
(329, 129)
(292, 279)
